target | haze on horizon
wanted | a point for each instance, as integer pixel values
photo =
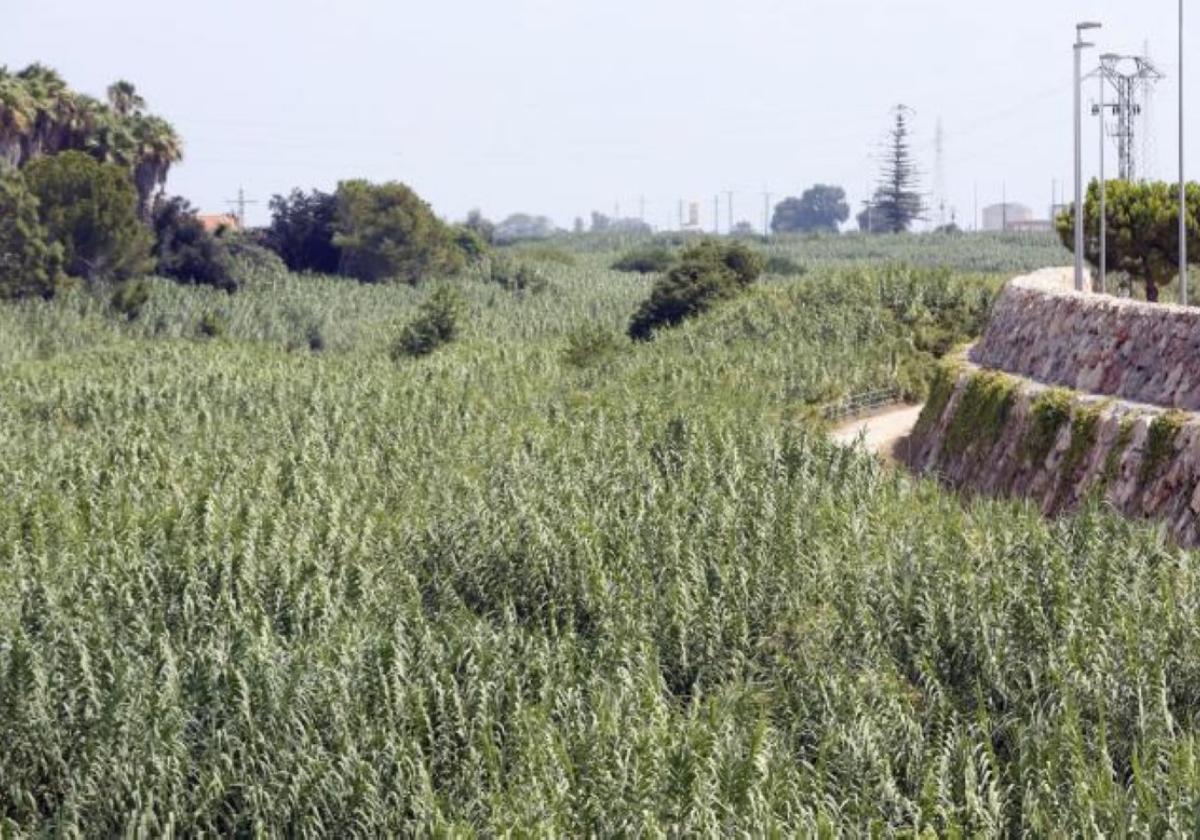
(559, 109)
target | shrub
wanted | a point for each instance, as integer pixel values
(185, 251)
(436, 324)
(516, 277)
(30, 266)
(302, 231)
(548, 254)
(708, 273)
(469, 243)
(784, 266)
(211, 325)
(591, 345)
(386, 232)
(90, 209)
(129, 298)
(651, 260)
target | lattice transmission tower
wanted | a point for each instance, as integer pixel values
(1132, 79)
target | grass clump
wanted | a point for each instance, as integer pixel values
(941, 389)
(518, 277)
(1160, 442)
(982, 411)
(648, 260)
(591, 345)
(212, 325)
(782, 265)
(1112, 461)
(130, 298)
(1050, 411)
(436, 324)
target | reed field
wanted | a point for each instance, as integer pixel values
(260, 578)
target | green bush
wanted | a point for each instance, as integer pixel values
(129, 299)
(516, 277)
(784, 266)
(435, 325)
(30, 265)
(708, 272)
(591, 345)
(650, 260)
(211, 325)
(386, 232)
(90, 209)
(185, 251)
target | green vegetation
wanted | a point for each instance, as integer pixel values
(436, 323)
(821, 209)
(247, 588)
(1051, 410)
(386, 232)
(1143, 229)
(302, 231)
(30, 266)
(90, 211)
(185, 251)
(1084, 427)
(646, 260)
(1160, 442)
(982, 411)
(1112, 461)
(708, 273)
(41, 116)
(941, 388)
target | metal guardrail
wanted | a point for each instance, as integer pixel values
(856, 405)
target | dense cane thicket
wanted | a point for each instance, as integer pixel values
(249, 588)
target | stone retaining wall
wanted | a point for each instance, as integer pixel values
(1044, 330)
(1002, 435)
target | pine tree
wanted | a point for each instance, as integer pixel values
(897, 203)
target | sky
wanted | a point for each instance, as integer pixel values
(558, 107)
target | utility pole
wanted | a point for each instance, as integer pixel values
(716, 215)
(681, 214)
(1103, 185)
(766, 212)
(1080, 46)
(729, 201)
(1183, 250)
(240, 203)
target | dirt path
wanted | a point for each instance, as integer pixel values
(879, 432)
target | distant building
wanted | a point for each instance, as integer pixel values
(215, 221)
(998, 217)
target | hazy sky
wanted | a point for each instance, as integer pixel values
(560, 107)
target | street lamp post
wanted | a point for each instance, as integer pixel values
(1183, 249)
(1080, 46)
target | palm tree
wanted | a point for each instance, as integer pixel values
(53, 106)
(16, 118)
(157, 147)
(124, 98)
